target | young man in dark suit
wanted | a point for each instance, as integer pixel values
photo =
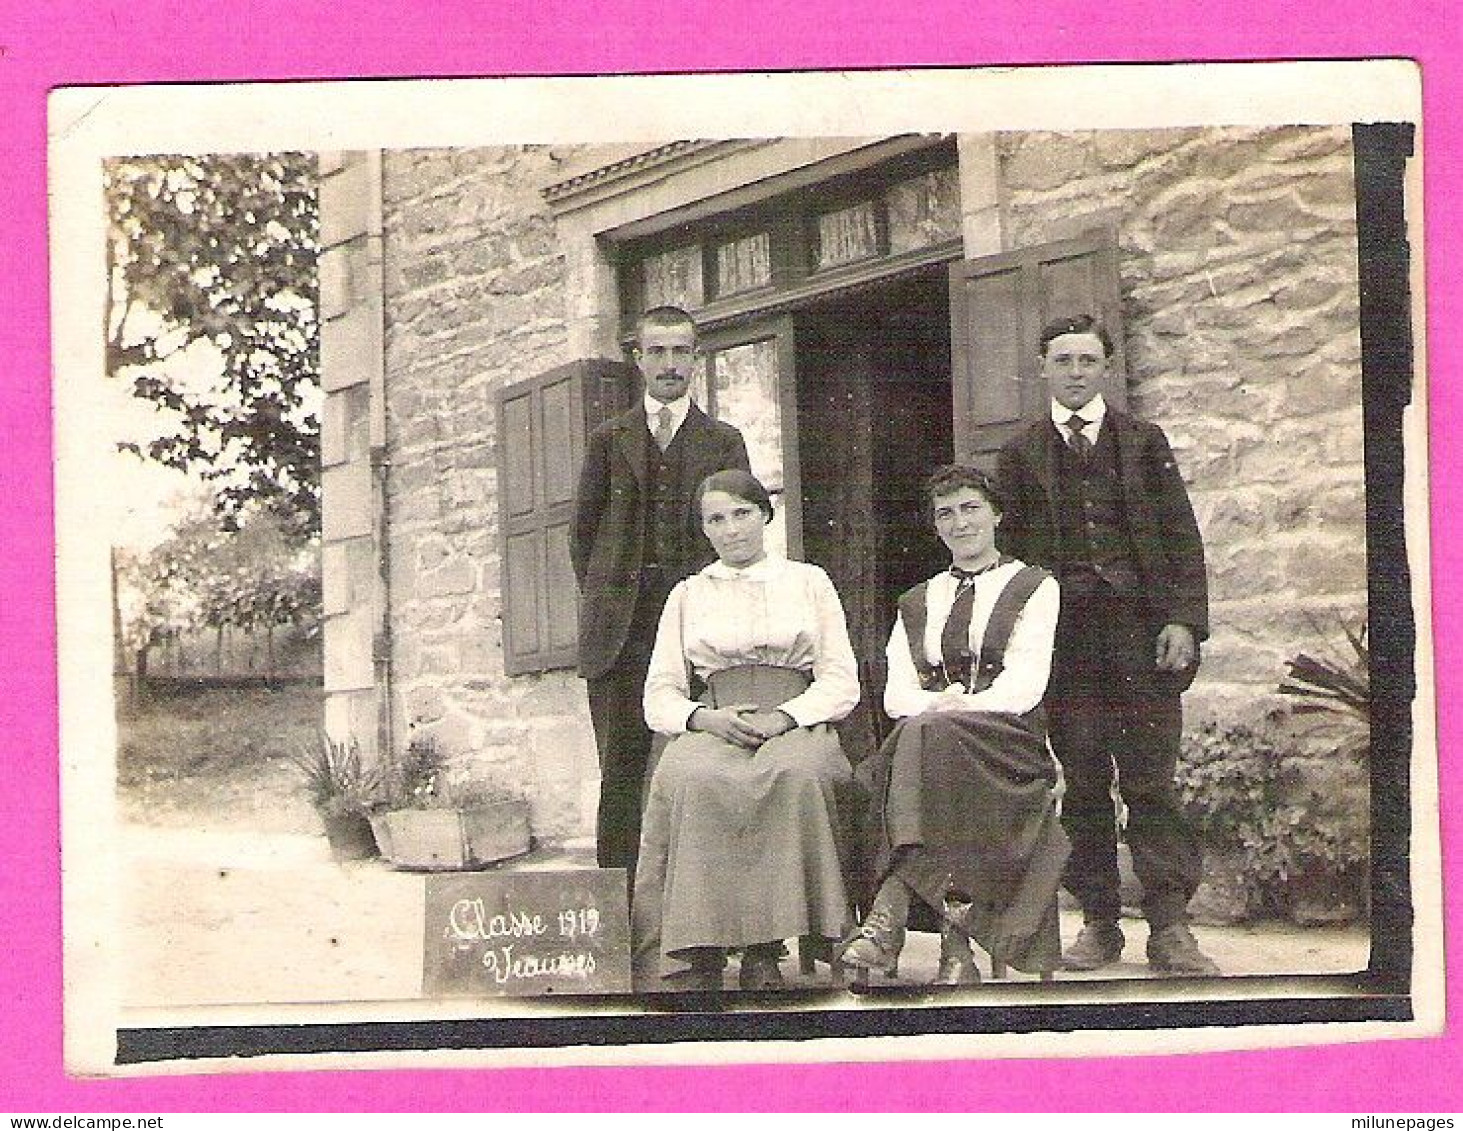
(633, 537)
(1095, 496)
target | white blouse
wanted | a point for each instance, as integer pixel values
(776, 612)
(1028, 662)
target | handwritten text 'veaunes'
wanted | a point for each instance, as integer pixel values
(502, 966)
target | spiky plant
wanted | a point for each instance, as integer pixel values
(1334, 686)
(336, 780)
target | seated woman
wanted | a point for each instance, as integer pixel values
(964, 810)
(737, 846)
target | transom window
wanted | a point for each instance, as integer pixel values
(881, 219)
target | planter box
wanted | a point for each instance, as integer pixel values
(435, 840)
(350, 836)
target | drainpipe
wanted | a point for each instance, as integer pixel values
(381, 650)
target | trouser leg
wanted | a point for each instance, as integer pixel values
(1081, 740)
(623, 741)
(616, 708)
(1166, 852)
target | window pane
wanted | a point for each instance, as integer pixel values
(746, 382)
(674, 277)
(924, 210)
(743, 264)
(848, 235)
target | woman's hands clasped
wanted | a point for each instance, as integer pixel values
(952, 700)
(742, 724)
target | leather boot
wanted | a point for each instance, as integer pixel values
(876, 942)
(704, 972)
(1099, 944)
(759, 967)
(1174, 950)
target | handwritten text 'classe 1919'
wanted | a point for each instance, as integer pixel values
(468, 921)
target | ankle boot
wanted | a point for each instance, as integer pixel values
(1100, 943)
(957, 960)
(759, 969)
(876, 942)
(704, 973)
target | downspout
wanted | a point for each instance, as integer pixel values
(381, 642)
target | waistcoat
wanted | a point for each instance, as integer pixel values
(1090, 518)
(666, 534)
(992, 659)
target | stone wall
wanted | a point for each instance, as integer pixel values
(1240, 306)
(474, 287)
(1238, 263)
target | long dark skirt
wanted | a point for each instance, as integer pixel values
(963, 811)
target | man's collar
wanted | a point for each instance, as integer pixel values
(1093, 412)
(679, 408)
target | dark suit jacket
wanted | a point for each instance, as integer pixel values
(607, 538)
(1167, 548)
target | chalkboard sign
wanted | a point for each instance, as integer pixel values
(526, 934)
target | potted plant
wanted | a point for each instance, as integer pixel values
(342, 790)
(433, 820)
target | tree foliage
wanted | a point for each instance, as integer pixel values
(222, 249)
(255, 578)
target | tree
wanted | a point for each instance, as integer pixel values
(256, 579)
(222, 249)
(253, 579)
(156, 591)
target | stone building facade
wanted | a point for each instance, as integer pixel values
(449, 276)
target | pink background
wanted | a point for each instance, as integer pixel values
(59, 43)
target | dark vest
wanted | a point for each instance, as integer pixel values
(997, 635)
(667, 505)
(1090, 521)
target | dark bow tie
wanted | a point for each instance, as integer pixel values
(965, 576)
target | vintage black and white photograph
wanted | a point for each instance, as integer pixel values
(744, 559)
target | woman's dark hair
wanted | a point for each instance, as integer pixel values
(952, 477)
(739, 485)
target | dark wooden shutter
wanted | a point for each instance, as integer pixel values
(998, 305)
(542, 423)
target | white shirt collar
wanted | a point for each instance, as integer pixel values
(757, 571)
(1093, 412)
(679, 408)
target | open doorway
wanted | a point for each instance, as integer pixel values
(874, 417)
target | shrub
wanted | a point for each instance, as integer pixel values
(1339, 687)
(1254, 800)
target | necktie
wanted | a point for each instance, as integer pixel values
(1076, 441)
(955, 636)
(664, 433)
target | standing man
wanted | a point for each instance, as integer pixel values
(633, 537)
(1095, 496)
